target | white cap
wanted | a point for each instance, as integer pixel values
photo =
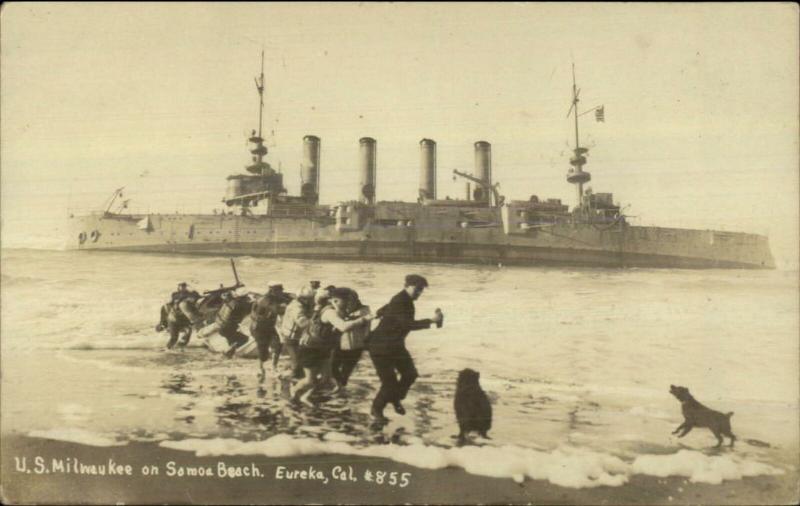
(240, 292)
(321, 295)
(270, 284)
(306, 291)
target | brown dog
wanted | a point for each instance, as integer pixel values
(473, 409)
(697, 415)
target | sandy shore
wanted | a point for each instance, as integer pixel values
(31, 474)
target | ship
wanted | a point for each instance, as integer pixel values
(261, 219)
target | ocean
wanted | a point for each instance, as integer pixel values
(577, 362)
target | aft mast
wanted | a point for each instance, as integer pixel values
(260, 88)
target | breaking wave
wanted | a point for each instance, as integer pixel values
(74, 435)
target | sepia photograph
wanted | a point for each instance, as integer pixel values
(400, 253)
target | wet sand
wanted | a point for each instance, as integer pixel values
(21, 483)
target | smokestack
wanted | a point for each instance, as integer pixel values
(427, 169)
(483, 169)
(367, 156)
(309, 169)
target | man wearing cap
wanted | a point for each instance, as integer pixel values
(183, 289)
(167, 308)
(178, 315)
(282, 299)
(263, 317)
(295, 319)
(387, 346)
(234, 309)
(275, 289)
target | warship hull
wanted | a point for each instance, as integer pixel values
(484, 228)
(428, 237)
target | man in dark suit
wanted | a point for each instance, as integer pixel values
(387, 346)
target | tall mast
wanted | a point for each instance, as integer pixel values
(260, 86)
(575, 174)
(574, 105)
(259, 166)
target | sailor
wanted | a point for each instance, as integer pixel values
(387, 345)
(264, 314)
(292, 324)
(313, 350)
(353, 340)
(235, 308)
(178, 315)
(183, 288)
(275, 290)
(322, 301)
(178, 326)
(320, 338)
(183, 292)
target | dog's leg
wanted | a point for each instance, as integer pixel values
(484, 434)
(730, 435)
(680, 427)
(462, 437)
(686, 430)
(717, 435)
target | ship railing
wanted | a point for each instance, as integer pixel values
(142, 211)
(93, 211)
(296, 212)
(289, 212)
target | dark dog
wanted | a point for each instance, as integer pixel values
(697, 415)
(473, 409)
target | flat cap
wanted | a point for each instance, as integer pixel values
(416, 280)
(342, 293)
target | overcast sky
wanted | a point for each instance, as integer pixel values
(701, 104)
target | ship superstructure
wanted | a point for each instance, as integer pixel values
(483, 227)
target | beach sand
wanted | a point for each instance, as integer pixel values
(445, 486)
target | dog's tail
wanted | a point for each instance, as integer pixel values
(729, 414)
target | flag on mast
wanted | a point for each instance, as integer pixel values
(600, 114)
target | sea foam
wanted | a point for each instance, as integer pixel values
(701, 468)
(567, 466)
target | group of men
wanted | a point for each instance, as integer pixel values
(324, 332)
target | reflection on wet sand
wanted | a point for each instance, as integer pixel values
(239, 406)
(254, 412)
(196, 394)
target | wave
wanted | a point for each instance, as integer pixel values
(102, 347)
(74, 435)
(566, 466)
(89, 344)
(10, 280)
(36, 244)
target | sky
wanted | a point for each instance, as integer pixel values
(701, 104)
